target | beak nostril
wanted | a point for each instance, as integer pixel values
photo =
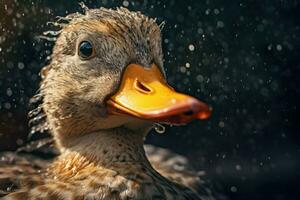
(141, 87)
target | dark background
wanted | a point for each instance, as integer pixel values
(242, 57)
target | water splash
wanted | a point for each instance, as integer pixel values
(159, 128)
(50, 39)
(56, 24)
(35, 111)
(84, 7)
(51, 33)
(34, 145)
(66, 19)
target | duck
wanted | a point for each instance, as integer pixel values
(102, 92)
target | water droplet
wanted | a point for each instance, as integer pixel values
(200, 78)
(233, 189)
(159, 128)
(238, 167)
(7, 105)
(51, 33)
(200, 31)
(221, 124)
(220, 24)
(278, 47)
(269, 47)
(21, 65)
(207, 11)
(9, 92)
(182, 69)
(216, 11)
(126, 3)
(191, 47)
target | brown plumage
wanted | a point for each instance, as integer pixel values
(101, 155)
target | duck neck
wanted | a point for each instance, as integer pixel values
(106, 148)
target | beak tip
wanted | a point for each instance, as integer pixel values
(204, 111)
(204, 115)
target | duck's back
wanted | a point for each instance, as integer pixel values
(20, 171)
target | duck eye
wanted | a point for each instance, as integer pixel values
(86, 50)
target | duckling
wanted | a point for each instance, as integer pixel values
(102, 91)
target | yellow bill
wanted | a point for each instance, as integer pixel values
(144, 93)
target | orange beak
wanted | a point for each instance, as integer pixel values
(145, 94)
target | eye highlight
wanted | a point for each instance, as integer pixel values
(85, 50)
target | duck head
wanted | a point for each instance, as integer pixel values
(107, 72)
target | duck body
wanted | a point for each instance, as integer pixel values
(126, 174)
(102, 91)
